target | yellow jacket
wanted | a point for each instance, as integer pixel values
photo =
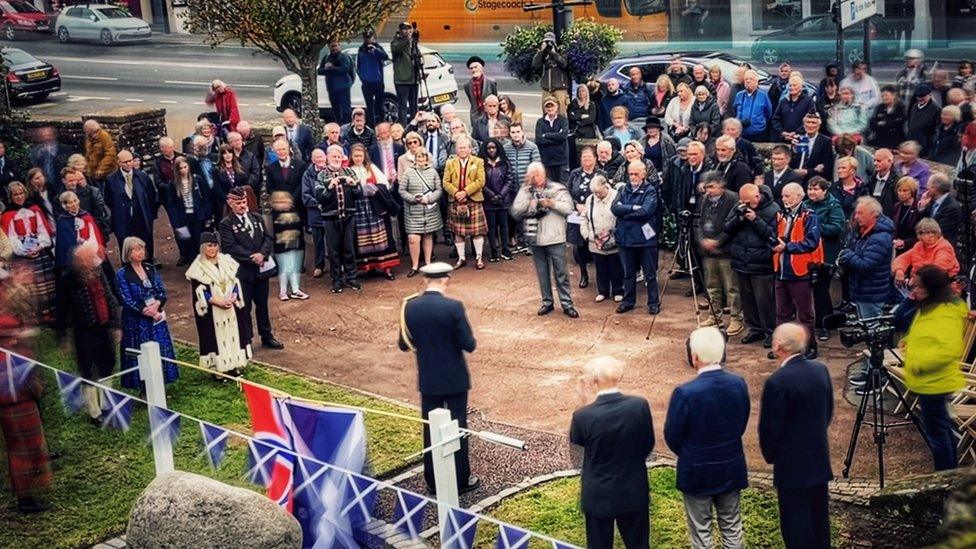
(475, 181)
(934, 346)
(101, 155)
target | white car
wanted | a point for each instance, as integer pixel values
(106, 23)
(440, 87)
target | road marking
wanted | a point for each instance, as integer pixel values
(110, 78)
(168, 102)
(266, 68)
(243, 104)
(199, 103)
(43, 105)
(207, 84)
(76, 98)
(58, 94)
(131, 100)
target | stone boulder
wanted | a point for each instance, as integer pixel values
(188, 510)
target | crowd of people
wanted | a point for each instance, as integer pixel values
(615, 171)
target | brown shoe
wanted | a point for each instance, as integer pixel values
(317, 273)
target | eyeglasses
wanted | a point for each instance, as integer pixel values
(634, 173)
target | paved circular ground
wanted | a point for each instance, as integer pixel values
(525, 367)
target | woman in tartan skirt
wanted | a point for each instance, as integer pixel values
(464, 178)
(375, 248)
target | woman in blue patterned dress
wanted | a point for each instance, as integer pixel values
(143, 297)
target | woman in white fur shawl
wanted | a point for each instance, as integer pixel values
(223, 328)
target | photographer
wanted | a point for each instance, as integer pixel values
(336, 190)
(339, 74)
(405, 77)
(555, 72)
(933, 346)
(715, 243)
(751, 227)
(369, 66)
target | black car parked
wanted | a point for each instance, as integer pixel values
(29, 78)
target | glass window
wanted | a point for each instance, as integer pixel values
(608, 8)
(74, 12)
(114, 13)
(14, 56)
(20, 7)
(645, 7)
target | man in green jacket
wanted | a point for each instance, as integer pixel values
(404, 71)
(555, 72)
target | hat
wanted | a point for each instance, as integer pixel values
(683, 144)
(236, 194)
(278, 130)
(438, 269)
(922, 90)
(404, 25)
(550, 100)
(914, 54)
(549, 37)
(475, 59)
(653, 122)
(208, 238)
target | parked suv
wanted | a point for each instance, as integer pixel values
(106, 23)
(440, 89)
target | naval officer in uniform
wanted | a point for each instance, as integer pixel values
(436, 328)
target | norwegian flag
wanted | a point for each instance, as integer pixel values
(269, 429)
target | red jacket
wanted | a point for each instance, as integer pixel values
(226, 106)
(942, 255)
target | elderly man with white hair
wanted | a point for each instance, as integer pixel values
(795, 413)
(706, 419)
(753, 108)
(612, 435)
(542, 206)
(336, 190)
(735, 171)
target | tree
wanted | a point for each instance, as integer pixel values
(294, 31)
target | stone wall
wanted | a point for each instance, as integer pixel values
(135, 128)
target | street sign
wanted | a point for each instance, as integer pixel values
(855, 11)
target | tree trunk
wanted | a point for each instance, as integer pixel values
(310, 95)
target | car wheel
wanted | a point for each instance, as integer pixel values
(855, 55)
(9, 33)
(292, 101)
(770, 56)
(391, 109)
(105, 37)
(63, 35)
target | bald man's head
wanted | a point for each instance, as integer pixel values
(749, 194)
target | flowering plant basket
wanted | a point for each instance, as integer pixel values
(589, 47)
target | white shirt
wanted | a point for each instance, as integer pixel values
(789, 358)
(710, 368)
(611, 391)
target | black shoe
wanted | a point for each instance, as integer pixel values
(507, 256)
(624, 308)
(653, 309)
(768, 341)
(771, 355)
(823, 335)
(571, 312)
(752, 337)
(30, 504)
(337, 288)
(271, 343)
(96, 421)
(494, 258)
(544, 310)
(354, 285)
(412, 273)
(811, 352)
(584, 280)
(858, 380)
(473, 483)
(389, 275)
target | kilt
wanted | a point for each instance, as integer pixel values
(27, 455)
(475, 225)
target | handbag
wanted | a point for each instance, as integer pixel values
(605, 242)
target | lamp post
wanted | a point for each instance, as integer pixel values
(562, 12)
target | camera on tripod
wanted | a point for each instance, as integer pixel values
(686, 218)
(876, 331)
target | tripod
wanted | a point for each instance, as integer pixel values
(420, 75)
(683, 250)
(875, 393)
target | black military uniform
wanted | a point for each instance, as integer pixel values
(437, 329)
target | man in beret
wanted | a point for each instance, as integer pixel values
(479, 87)
(244, 237)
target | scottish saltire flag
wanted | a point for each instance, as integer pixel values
(337, 437)
(557, 545)
(460, 530)
(270, 432)
(214, 443)
(260, 462)
(360, 495)
(510, 537)
(70, 387)
(16, 371)
(164, 424)
(116, 409)
(409, 514)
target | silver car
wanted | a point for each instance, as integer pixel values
(105, 23)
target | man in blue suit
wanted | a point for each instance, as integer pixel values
(299, 135)
(436, 328)
(132, 198)
(613, 435)
(706, 420)
(797, 406)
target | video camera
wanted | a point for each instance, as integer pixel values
(686, 218)
(876, 331)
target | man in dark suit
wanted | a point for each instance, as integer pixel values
(552, 137)
(314, 219)
(938, 203)
(253, 145)
(881, 184)
(797, 407)
(131, 196)
(50, 155)
(244, 237)
(781, 174)
(706, 420)
(436, 328)
(613, 435)
(478, 88)
(286, 175)
(299, 135)
(812, 152)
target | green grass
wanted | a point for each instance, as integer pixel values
(102, 472)
(553, 509)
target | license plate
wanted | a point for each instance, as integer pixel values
(442, 97)
(36, 75)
